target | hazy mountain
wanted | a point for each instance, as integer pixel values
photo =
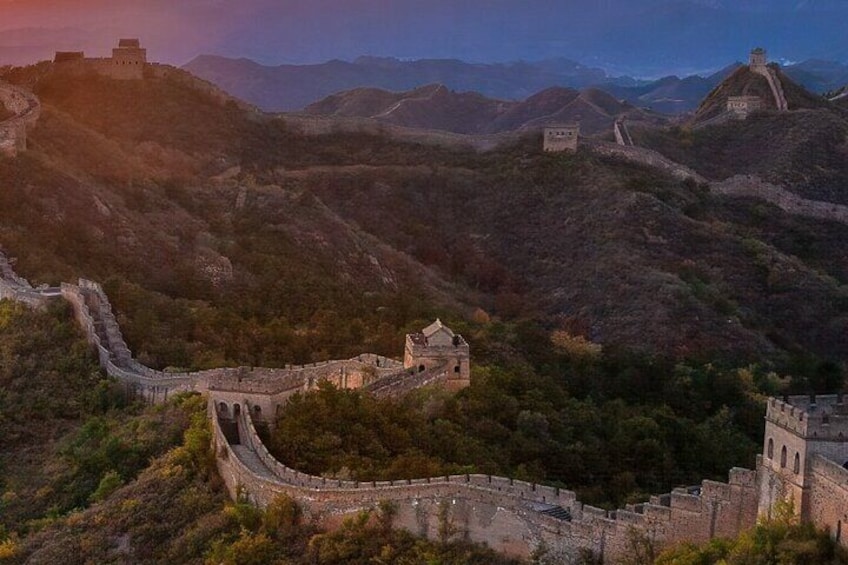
(671, 95)
(437, 107)
(817, 75)
(291, 87)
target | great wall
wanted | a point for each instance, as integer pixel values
(513, 517)
(25, 109)
(802, 460)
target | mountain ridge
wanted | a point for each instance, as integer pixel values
(436, 107)
(293, 87)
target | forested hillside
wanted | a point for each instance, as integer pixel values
(625, 327)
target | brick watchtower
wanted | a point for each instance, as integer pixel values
(757, 59)
(805, 445)
(435, 346)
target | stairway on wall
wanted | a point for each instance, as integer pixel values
(622, 134)
(776, 87)
(400, 383)
(554, 511)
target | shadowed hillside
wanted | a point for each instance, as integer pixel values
(803, 150)
(226, 238)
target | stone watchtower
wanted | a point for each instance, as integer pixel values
(437, 346)
(758, 59)
(560, 138)
(128, 60)
(805, 452)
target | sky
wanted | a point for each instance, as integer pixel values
(626, 35)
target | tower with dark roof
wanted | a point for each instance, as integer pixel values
(437, 347)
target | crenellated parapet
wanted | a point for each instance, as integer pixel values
(511, 516)
(816, 417)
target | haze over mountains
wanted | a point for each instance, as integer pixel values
(648, 38)
(293, 87)
(436, 107)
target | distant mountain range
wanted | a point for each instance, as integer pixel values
(293, 87)
(436, 107)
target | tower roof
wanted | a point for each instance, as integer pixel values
(435, 327)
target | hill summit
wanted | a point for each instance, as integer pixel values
(766, 84)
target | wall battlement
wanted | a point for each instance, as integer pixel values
(507, 514)
(128, 61)
(816, 418)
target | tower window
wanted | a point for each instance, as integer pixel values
(797, 467)
(783, 457)
(770, 450)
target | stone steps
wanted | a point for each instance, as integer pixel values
(557, 512)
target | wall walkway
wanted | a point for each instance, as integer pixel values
(645, 156)
(27, 109)
(513, 517)
(752, 186)
(774, 84)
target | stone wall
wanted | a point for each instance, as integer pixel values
(774, 84)
(13, 287)
(752, 186)
(644, 156)
(513, 517)
(13, 131)
(721, 118)
(505, 514)
(622, 134)
(829, 498)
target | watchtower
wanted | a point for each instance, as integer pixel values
(757, 59)
(438, 346)
(560, 138)
(802, 434)
(128, 60)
